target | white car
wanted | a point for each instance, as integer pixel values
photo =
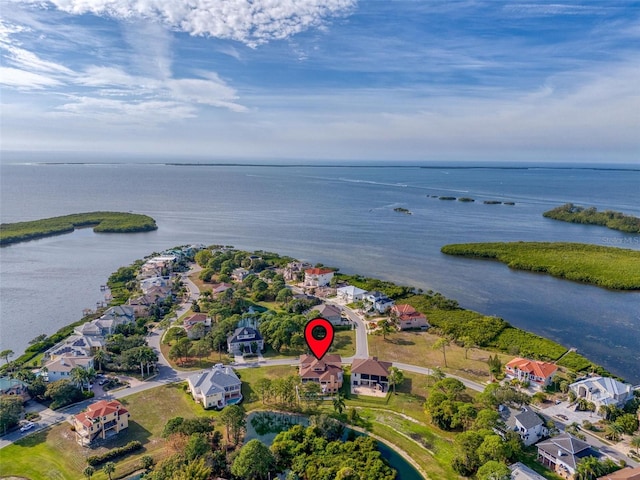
(27, 426)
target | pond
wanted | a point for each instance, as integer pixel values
(406, 471)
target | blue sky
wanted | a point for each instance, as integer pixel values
(406, 80)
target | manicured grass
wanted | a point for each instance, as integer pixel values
(103, 222)
(344, 343)
(54, 454)
(608, 267)
(416, 348)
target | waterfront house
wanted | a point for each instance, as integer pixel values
(327, 371)
(197, 319)
(148, 283)
(245, 340)
(530, 427)
(350, 294)
(538, 374)
(294, 271)
(317, 277)
(13, 386)
(603, 391)
(378, 301)
(331, 313)
(408, 317)
(215, 388)
(562, 454)
(370, 372)
(60, 367)
(100, 420)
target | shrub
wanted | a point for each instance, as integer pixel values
(95, 460)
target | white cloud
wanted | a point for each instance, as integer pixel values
(22, 79)
(251, 22)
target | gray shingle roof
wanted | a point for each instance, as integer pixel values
(529, 419)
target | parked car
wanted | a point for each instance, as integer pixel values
(563, 417)
(102, 381)
(27, 426)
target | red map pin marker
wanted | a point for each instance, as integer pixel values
(318, 333)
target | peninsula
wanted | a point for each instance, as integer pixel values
(102, 222)
(607, 267)
(591, 216)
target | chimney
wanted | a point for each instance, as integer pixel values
(560, 453)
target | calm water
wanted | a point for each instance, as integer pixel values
(338, 216)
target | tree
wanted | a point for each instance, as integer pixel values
(109, 468)
(441, 344)
(338, 403)
(10, 411)
(62, 392)
(385, 327)
(451, 387)
(79, 376)
(88, 472)
(495, 366)
(467, 344)
(147, 462)
(254, 462)
(493, 470)
(493, 448)
(312, 392)
(263, 387)
(613, 432)
(628, 423)
(100, 357)
(395, 377)
(589, 468)
(6, 354)
(233, 418)
(635, 443)
(180, 350)
(284, 296)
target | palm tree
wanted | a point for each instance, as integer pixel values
(109, 468)
(100, 357)
(467, 344)
(635, 443)
(385, 328)
(338, 403)
(78, 376)
(441, 344)
(88, 472)
(613, 432)
(395, 377)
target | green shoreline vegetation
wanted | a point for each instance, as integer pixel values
(591, 216)
(102, 222)
(608, 267)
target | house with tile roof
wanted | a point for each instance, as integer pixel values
(317, 277)
(370, 372)
(331, 313)
(603, 391)
(245, 340)
(100, 420)
(327, 371)
(197, 319)
(215, 388)
(408, 317)
(530, 427)
(538, 374)
(562, 454)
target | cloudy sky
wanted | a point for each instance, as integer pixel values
(323, 79)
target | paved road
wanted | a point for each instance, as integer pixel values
(166, 374)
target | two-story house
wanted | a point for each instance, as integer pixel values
(370, 372)
(215, 388)
(350, 294)
(408, 317)
(603, 391)
(327, 371)
(530, 427)
(245, 340)
(100, 420)
(317, 277)
(378, 301)
(562, 454)
(331, 313)
(537, 373)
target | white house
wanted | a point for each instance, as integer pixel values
(378, 301)
(215, 388)
(370, 372)
(603, 391)
(563, 453)
(317, 277)
(239, 274)
(530, 427)
(350, 294)
(60, 368)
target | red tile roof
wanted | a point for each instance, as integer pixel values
(406, 312)
(318, 271)
(539, 369)
(100, 409)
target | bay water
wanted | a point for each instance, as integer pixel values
(341, 216)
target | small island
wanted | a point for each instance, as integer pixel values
(102, 222)
(591, 216)
(607, 267)
(466, 199)
(402, 210)
(446, 198)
